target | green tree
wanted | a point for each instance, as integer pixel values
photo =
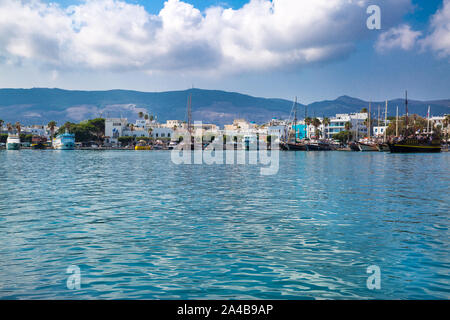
(326, 122)
(343, 136)
(3, 137)
(51, 125)
(125, 140)
(97, 129)
(1, 124)
(140, 114)
(348, 126)
(18, 127)
(316, 123)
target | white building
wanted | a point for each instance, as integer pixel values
(378, 131)
(114, 128)
(337, 124)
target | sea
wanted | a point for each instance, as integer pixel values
(125, 224)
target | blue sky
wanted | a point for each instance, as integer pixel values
(311, 49)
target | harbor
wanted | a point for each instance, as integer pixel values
(344, 132)
(140, 226)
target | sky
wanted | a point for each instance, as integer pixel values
(312, 49)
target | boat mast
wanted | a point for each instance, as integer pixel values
(306, 126)
(189, 114)
(428, 120)
(295, 120)
(396, 123)
(369, 118)
(385, 122)
(406, 109)
(378, 120)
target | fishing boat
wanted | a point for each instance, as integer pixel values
(13, 142)
(318, 146)
(383, 147)
(426, 143)
(411, 142)
(142, 145)
(64, 141)
(38, 142)
(291, 142)
(354, 146)
(290, 146)
(367, 146)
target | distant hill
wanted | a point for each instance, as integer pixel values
(40, 105)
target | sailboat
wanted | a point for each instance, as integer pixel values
(288, 144)
(411, 142)
(383, 146)
(367, 144)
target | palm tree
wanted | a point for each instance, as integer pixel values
(151, 118)
(308, 121)
(150, 130)
(51, 125)
(348, 126)
(364, 110)
(446, 124)
(9, 126)
(18, 127)
(316, 123)
(146, 116)
(140, 114)
(326, 122)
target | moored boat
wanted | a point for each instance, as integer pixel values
(13, 142)
(142, 146)
(416, 144)
(383, 147)
(318, 146)
(64, 141)
(292, 146)
(38, 142)
(412, 142)
(354, 146)
(367, 146)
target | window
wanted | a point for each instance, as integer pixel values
(162, 135)
(157, 135)
(168, 134)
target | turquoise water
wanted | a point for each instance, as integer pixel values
(139, 226)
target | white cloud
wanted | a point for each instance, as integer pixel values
(439, 38)
(115, 35)
(401, 37)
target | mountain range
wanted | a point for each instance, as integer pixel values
(40, 105)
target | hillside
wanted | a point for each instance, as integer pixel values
(40, 105)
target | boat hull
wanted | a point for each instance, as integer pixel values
(317, 147)
(12, 146)
(383, 147)
(38, 146)
(142, 148)
(367, 147)
(354, 147)
(293, 147)
(65, 146)
(404, 148)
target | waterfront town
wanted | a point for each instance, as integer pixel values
(146, 133)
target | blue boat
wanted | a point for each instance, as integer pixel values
(64, 141)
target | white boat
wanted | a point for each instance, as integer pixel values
(13, 142)
(64, 141)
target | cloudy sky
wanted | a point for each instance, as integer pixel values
(315, 49)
